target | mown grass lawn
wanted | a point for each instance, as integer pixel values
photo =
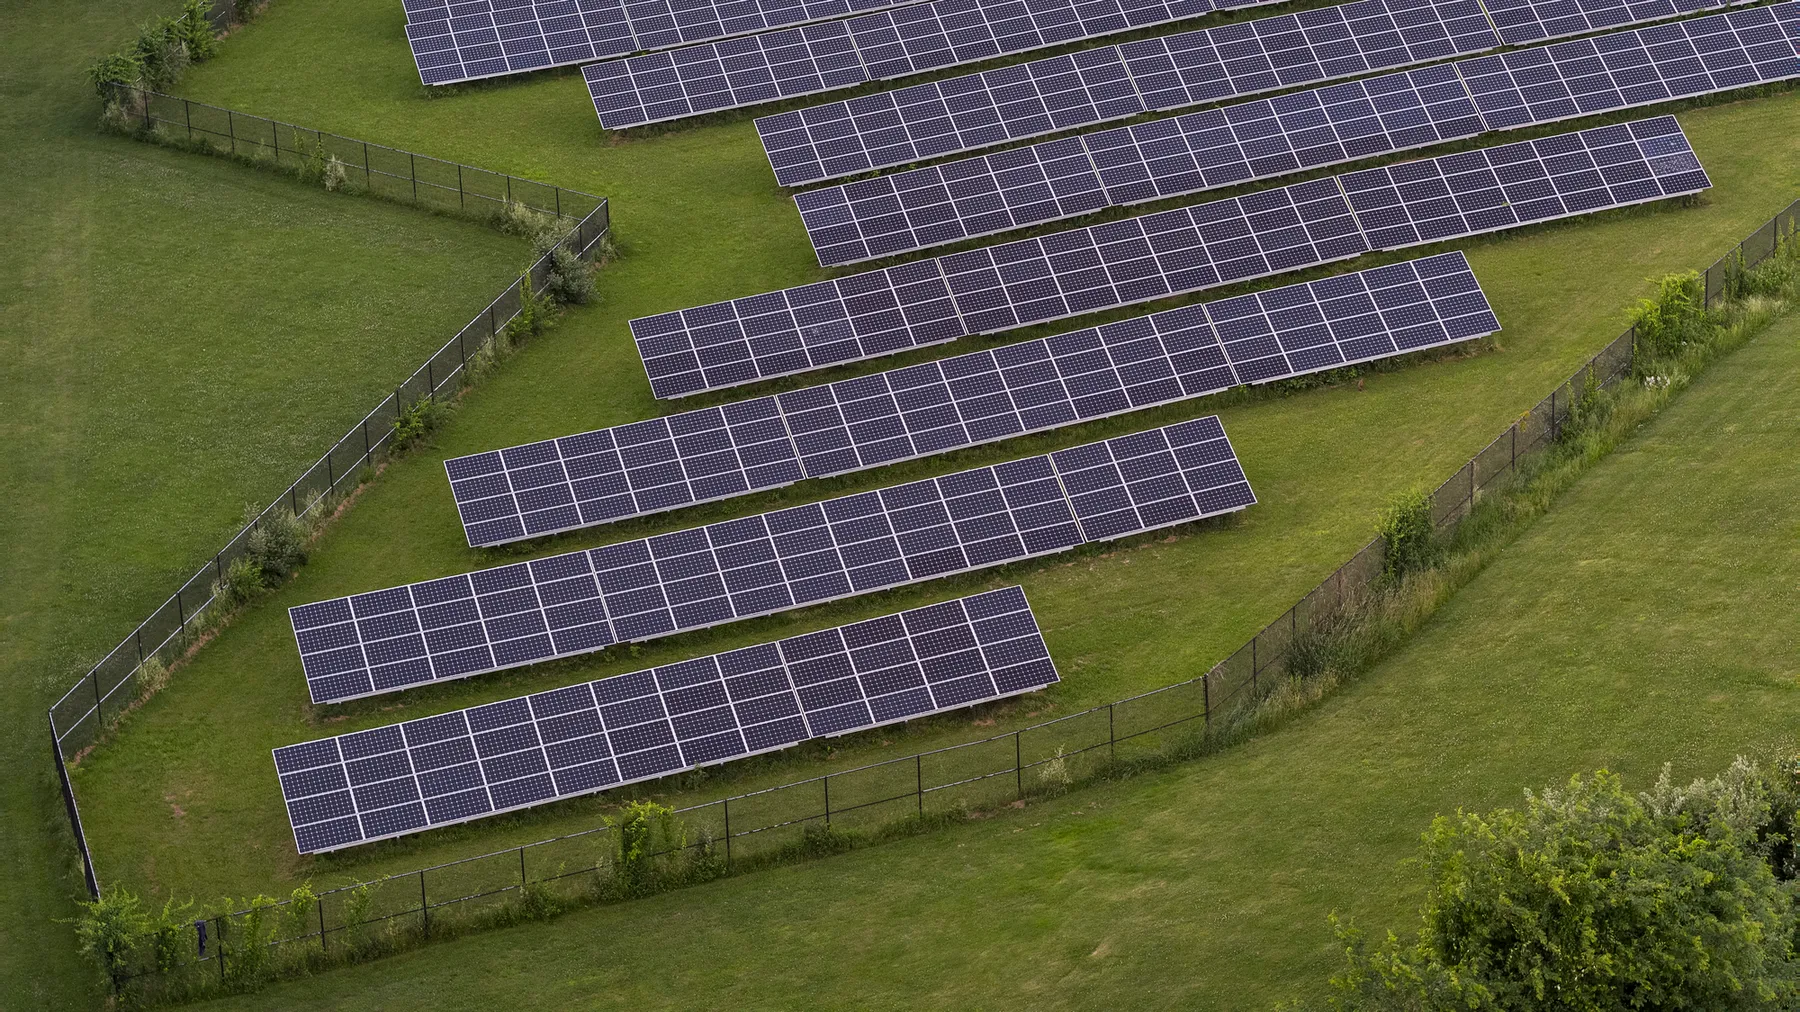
(701, 219)
(178, 335)
(1652, 616)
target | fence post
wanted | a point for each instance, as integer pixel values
(368, 176)
(1514, 466)
(180, 612)
(1205, 697)
(459, 186)
(321, 924)
(430, 380)
(218, 567)
(424, 907)
(94, 676)
(1018, 767)
(1112, 741)
(146, 110)
(919, 781)
(826, 780)
(137, 636)
(728, 836)
(509, 189)
(231, 125)
(366, 449)
(412, 162)
(558, 190)
(521, 871)
(275, 132)
(187, 111)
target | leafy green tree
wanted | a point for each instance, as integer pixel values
(1589, 898)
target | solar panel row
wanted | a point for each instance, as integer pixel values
(583, 601)
(468, 764)
(839, 54)
(464, 40)
(713, 453)
(1134, 260)
(1159, 75)
(1052, 180)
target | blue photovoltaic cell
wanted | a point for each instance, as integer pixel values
(464, 40)
(583, 601)
(1167, 253)
(840, 54)
(1159, 75)
(467, 764)
(1052, 180)
(647, 467)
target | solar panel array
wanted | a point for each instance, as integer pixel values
(454, 767)
(1188, 249)
(1158, 75)
(583, 601)
(1060, 179)
(646, 467)
(464, 40)
(840, 54)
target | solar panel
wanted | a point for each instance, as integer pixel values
(580, 602)
(468, 764)
(465, 40)
(1188, 249)
(600, 476)
(1159, 75)
(1053, 180)
(1064, 178)
(839, 54)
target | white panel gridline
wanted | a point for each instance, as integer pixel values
(647, 467)
(804, 61)
(1053, 180)
(579, 602)
(1156, 75)
(1189, 249)
(466, 40)
(531, 750)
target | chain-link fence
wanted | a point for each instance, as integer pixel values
(374, 168)
(110, 686)
(759, 826)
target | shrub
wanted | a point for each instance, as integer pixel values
(243, 582)
(1592, 898)
(277, 546)
(336, 175)
(109, 929)
(297, 916)
(359, 905)
(571, 279)
(246, 948)
(645, 836)
(123, 67)
(172, 934)
(515, 218)
(197, 30)
(415, 420)
(1673, 316)
(162, 51)
(1410, 535)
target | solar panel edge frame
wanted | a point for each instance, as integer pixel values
(1719, 6)
(683, 769)
(1146, 406)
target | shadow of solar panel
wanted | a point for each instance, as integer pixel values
(463, 765)
(985, 396)
(636, 590)
(816, 58)
(467, 40)
(1116, 82)
(1059, 179)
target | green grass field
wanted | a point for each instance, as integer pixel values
(1651, 616)
(180, 335)
(170, 818)
(116, 368)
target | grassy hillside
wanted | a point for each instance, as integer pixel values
(178, 335)
(700, 219)
(1652, 616)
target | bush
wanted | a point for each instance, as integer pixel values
(571, 279)
(121, 68)
(277, 546)
(336, 175)
(109, 930)
(172, 934)
(515, 218)
(162, 51)
(1674, 316)
(197, 30)
(1410, 535)
(646, 837)
(1591, 898)
(415, 420)
(243, 582)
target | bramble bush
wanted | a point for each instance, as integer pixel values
(1592, 898)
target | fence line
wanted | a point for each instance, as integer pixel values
(964, 773)
(77, 718)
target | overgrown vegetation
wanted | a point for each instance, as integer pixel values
(1409, 535)
(156, 59)
(1589, 897)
